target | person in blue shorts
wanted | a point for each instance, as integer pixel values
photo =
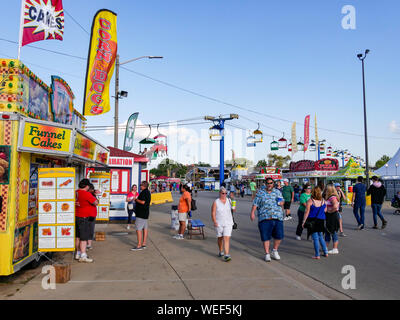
(269, 205)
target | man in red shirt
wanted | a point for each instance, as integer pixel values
(85, 202)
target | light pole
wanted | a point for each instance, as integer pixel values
(386, 165)
(219, 125)
(396, 165)
(124, 94)
(362, 57)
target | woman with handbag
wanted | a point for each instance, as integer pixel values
(130, 199)
(332, 217)
(314, 221)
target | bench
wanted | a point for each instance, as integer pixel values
(197, 226)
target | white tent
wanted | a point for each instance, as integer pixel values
(391, 172)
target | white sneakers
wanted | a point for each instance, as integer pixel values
(287, 218)
(128, 227)
(85, 258)
(333, 251)
(178, 237)
(298, 238)
(274, 255)
(77, 256)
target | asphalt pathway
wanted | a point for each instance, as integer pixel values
(375, 254)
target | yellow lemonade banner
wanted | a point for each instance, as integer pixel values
(101, 63)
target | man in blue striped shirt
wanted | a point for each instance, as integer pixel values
(269, 204)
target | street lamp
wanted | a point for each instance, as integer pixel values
(123, 94)
(396, 167)
(386, 165)
(362, 57)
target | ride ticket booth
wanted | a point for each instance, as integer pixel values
(125, 171)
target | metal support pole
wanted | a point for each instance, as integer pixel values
(319, 152)
(221, 154)
(116, 101)
(365, 129)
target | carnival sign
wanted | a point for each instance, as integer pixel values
(327, 165)
(303, 165)
(41, 20)
(101, 63)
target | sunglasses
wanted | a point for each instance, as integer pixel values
(223, 193)
(270, 183)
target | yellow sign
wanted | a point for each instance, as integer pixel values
(101, 182)
(101, 63)
(56, 207)
(84, 147)
(39, 136)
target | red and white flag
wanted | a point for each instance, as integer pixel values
(41, 20)
(306, 132)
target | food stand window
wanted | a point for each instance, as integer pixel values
(119, 181)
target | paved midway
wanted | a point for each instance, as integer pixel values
(375, 254)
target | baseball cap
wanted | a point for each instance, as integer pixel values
(337, 184)
(285, 180)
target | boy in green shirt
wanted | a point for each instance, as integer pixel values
(288, 195)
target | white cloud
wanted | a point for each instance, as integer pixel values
(394, 127)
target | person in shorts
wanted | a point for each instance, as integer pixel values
(288, 196)
(268, 203)
(85, 202)
(221, 215)
(142, 215)
(184, 208)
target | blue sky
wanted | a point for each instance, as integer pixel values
(283, 58)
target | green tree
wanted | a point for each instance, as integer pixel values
(261, 163)
(275, 160)
(382, 161)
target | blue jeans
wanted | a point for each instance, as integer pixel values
(376, 211)
(361, 207)
(317, 240)
(334, 237)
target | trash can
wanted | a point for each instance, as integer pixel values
(174, 218)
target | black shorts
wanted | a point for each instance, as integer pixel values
(83, 228)
(287, 205)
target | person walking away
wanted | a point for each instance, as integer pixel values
(378, 193)
(342, 198)
(253, 189)
(314, 215)
(92, 217)
(269, 205)
(131, 204)
(232, 188)
(332, 218)
(221, 215)
(241, 190)
(84, 203)
(142, 216)
(296, 190)
(184, 208)
(304, 197)
(358, 202)
(288, 196)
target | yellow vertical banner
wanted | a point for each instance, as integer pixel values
(101, 63)
(294, 138)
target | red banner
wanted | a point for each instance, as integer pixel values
(41, 20)
(306, 132)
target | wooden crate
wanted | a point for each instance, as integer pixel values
(100, 236)
(63, 272)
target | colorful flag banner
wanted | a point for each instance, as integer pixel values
(101, 63)
(294, 138)
(41, 20)
(129, 131)
(306, 132)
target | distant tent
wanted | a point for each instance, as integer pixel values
(351, 171)
(390, 170)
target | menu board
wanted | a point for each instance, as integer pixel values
(101, 181)
(56, 209)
